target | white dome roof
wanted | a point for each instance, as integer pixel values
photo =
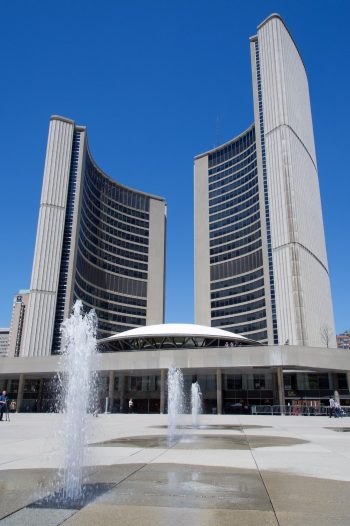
(177, 329)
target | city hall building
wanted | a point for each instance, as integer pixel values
(264, 333)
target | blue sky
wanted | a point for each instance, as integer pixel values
(156, 83)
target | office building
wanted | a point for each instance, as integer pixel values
(4, 341)
(18, 323)
(98, 241)
(260, 257)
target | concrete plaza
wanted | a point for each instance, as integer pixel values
(233, 470)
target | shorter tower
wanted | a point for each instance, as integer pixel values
(18, 323)
(97, 241)
(4, 342)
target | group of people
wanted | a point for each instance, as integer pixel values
(5, 406)
(334, 409)
(232, 344)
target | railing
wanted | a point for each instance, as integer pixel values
(290, 410)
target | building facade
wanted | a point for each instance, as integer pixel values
(235, 374)
(343, 340)
(4, 341)
(260, 254)
(97, 241)
(18, 323)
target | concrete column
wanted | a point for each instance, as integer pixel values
(40, 396)
(330, 381)
(20, 393)
(122, 391)
(162, 391)
(218, 391)
(111, 391)
(348, 379)
(280, 384)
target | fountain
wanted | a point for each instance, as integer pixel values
(196, 403)
(77, 383)
(175, 400)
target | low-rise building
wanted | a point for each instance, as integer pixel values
(343, 340)
(18, 323)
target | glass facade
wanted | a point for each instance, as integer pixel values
(237, 285)
(66, 246)
(105, 248)
(112, 252)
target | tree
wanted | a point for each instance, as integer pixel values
(326, 334)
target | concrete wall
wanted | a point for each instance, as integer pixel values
(303, 297)
(48, 247)
(201, 243)
(313, 358)
(156, 262)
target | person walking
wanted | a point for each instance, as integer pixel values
(3, 404)
(332, 408)
(337, 410)
(131, 406)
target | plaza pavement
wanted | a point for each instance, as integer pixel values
(233, 470)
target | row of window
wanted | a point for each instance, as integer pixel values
(240, 329)
(93, 233)
(129, 198)
(107, 247)
(225, 233)
(112, 212)
(230, 207)
(248, 307)
(236, 253)
(249, 207)
(215, 181)
(230, 150)
(233, 161)
(108, 296)
(236, 300)
(247, 317)
(107, 228)
(105, 305)
(92, 182)
(111, 282)
(236, 280)
(107, 256)
(240, 289)
(236, 244)
(237, 234)
(110, 267)
(228, 193)
(232, 176)
(102, 219)
(234, 267)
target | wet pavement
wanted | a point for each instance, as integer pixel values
(192, 441)
(289, 472)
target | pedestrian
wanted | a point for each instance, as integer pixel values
(332, 408)
(3, 404)
(337, 410)
(131, 405)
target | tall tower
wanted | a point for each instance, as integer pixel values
(260, 254)
(97, 241)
